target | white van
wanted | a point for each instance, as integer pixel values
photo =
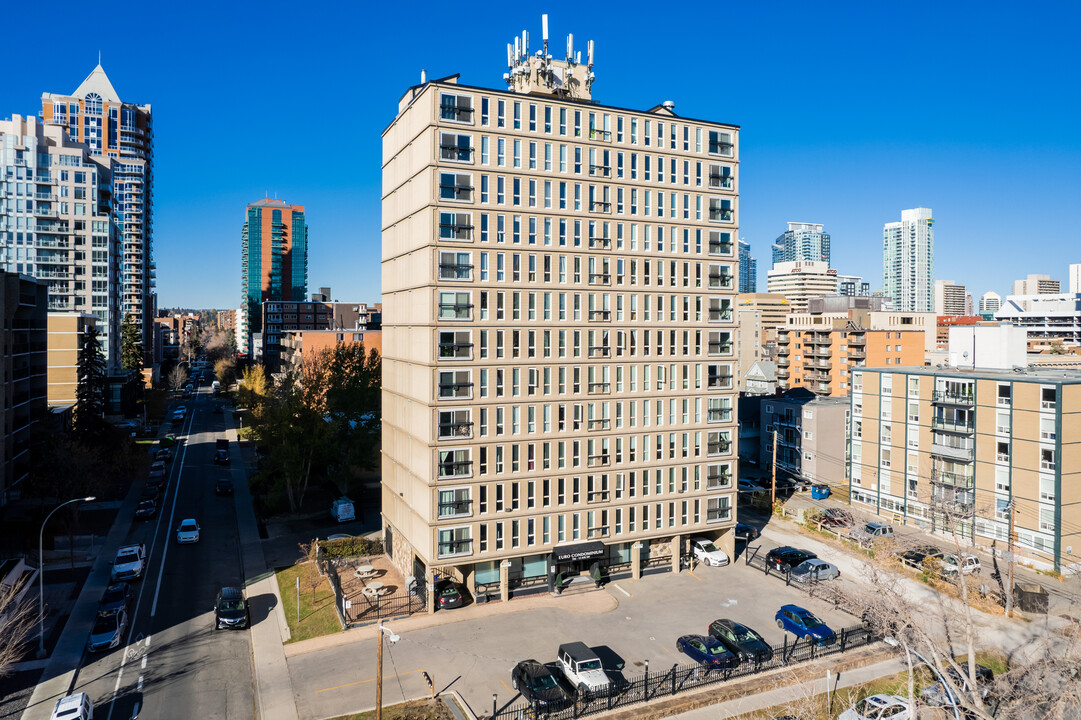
(342, 510)
(74, 707)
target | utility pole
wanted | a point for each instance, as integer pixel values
(773, 483)
(1009, 552)
(379, 675)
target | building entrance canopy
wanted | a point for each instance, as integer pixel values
(580, 551)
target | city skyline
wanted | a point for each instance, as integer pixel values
(942, 152)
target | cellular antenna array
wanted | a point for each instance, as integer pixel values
(541, 74)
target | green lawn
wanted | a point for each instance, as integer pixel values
(317, 616)
(412, 710)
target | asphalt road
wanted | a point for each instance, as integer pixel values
(174, 664)
(474, 657)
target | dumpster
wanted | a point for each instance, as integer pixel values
(1030, 598)
(820, 492)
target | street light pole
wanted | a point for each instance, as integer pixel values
(41, 572)
(393, 638)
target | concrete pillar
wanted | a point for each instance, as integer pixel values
(636, 561)
(727, 543)
(429, 585)
(504, 580)
(677, 552)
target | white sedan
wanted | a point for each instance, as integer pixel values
(188, 532)
(707, 553)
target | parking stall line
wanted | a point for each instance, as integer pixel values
(696, 577)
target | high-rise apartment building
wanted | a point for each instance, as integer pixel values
(963, 448)
(56, 223)
(853, 285)
(802, 242)
(748, 269)
(1075, 279)
(950, 298)
(274, 264)
(908, 261)
(123, 134)
(23, 372)
(990, 302)
(558, 357)
(1036, 285)
(800, 281)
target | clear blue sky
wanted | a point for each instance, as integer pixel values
(850, 112)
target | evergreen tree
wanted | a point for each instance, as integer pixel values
(89, 413)
(131, 345)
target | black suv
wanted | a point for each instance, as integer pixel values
(539, 685)
(223, 486)
(784, 558)
(743, 642)
(231, 609)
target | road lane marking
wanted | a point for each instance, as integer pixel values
(143, 664)
(695, 577)
(172, 513)
(362, 682)
(622, 590)
(139, 685)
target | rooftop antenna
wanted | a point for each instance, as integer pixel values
(544, 34)
(525, 44)
(99, 58)
(570, 47)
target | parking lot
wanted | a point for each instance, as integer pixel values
(474, 657)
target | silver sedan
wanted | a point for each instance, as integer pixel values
(813, 570)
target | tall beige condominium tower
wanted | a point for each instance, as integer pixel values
(558, 285)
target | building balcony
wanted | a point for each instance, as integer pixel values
(458, 508)
(599, 206)
(602, 460)
(602, 135)
(718, 415)
(455, 271)
(600, 279)
(783, 361)
(455, 152)
(952, 426)
(600, 351)
(952, 479)
(454, 469)
(721, 281)
(783, 373)
(783, 339)
(720, 348)
(857, 339)
(854, 354)
(600, 243)
(718, 480)
(600, 388)
(723, 182)
(719, 382)
(598, 424)
(957, 454)
(720, 148)
(600, 315)
(600, 171)
(822, 364)
(718, 514)
(455, 430)
(453, 231)
(718, 448)
(720, 315)
(943, 397)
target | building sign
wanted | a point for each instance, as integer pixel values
(581, 551)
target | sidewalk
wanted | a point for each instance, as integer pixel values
(273, 687)
(62, 665)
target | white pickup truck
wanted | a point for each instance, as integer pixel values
(130, 563)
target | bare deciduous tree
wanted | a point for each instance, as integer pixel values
(17, 618)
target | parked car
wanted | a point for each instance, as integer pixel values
(707, 651)
(450, 595)
(744, 642)
(871, 533)
(921, 555)
(582, 667)
(108, 631)
(116, 597)
(74, 707)
(804, 624)
(784, 558)
(707, 553)
(181, 410)
(130, 563)
(539, 685)
(879, 707)
(188, 532)
(746, 532)
(157, 469)
(224, 486)
(164, 454)
(147, 510)
(231, 609)
(966, 565)
(814, 570)
(745, 486)
(937, 694)
(150, 492)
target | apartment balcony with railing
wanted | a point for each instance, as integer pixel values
(455, 430)
(600, 243)
(722, 214)
(599, 460)
(955, 452)
(720, 247)
(953, 479)
(946, 397)
(718, 447)
(600, 315)
(455, 152)
(455, 271)
(718, 479)
(955, 426)
(718, 415)
(719, 381)
(720, 280)
(600, 388)
(598, 424)
(602, 135)
(455, 311)
(782, 360)
(456, 508)
(720, 314)
(600, 279)
(719, 181)
(720, 348)
(599, 351)
(600, 206)
(600, 171)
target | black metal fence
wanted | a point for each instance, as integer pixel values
(646, 686)
(360, 608)
(756, 558)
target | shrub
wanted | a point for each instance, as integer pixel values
(350, 547)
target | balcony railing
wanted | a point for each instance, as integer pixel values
(455, 548)
(718, 448)
(455, 311)
(720, 280)
(602, 135)
(599, 424)
(600, 243)
(455, 271)
(718, 414)
(720, 315)
(720, 248)
(451, 231)
(720, 348)
(455, 152)
(600, 315)
(951, 398)
(596, 351)
(600, 170)
(456, 468)
(597, 496)
(600, 279)
(956, 426)
(455, 429)
(454, 390)
(454, 112)
(718, 480)
(600, 206)
(456, 192)
(718, 514)
(600, 388)
(717, 382)
(720, 181)
(456, 508)
(455, 350)
(957, 454)
(599, 460)
(720, 148)
(723, 214)
(954, 479)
